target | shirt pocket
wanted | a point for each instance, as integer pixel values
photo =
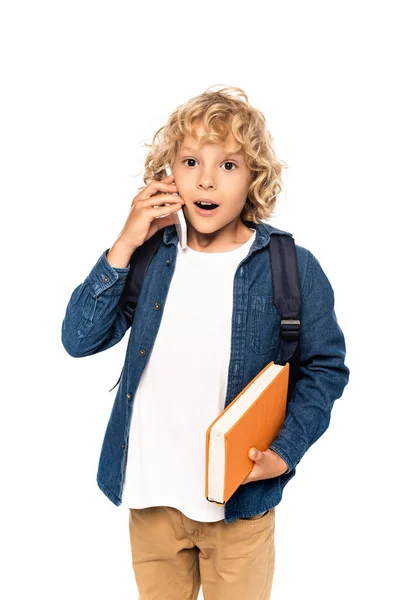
(265, 323)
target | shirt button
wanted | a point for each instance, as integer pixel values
(123, 446)
(129, 395)
(167, 262)
(157, 306)
(142, 352)
(106, 279)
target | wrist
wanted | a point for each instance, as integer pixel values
(119, 255)
(123, 244)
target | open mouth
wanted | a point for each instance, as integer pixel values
(206, 206)
(206, 211)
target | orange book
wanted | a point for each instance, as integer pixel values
(253, 419)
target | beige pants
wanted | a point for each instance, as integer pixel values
(173, 555)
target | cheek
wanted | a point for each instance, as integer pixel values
(183, 182)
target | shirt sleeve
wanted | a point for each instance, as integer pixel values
(323, 374)
(93, 320)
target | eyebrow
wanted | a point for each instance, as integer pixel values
(195, 150)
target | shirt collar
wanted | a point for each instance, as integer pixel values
(263, 234)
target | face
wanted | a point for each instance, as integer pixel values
(218, 174)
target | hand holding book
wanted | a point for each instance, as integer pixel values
(266, 464)
(252, 420)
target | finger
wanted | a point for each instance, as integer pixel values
(160, 199)
(158, 186)
(154, 188)
(172, 207)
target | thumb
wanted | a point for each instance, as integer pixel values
(254, 453)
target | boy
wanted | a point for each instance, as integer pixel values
(204, 326)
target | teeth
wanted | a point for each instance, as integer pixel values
(206, 203)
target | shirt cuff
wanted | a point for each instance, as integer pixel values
(104, 276)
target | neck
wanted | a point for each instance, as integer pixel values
(227, 238)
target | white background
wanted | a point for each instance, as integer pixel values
(84, 85)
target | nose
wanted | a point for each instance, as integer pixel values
(205, 181)
(205, 184)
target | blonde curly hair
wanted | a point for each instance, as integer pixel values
(223, 115)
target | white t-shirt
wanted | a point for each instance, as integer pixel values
(183, 387)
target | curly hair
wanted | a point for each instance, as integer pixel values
(223, 115)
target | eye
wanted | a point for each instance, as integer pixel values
(229, 162)
(189, 159)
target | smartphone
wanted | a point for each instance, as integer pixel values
(179, 219)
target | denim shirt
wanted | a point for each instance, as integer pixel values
(94, 322)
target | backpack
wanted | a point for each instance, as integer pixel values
(286, 290)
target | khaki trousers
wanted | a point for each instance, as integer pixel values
(172, 556)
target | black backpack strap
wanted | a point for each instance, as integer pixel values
(287, 299)
(139, 264)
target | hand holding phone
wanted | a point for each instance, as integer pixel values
(179, 219)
